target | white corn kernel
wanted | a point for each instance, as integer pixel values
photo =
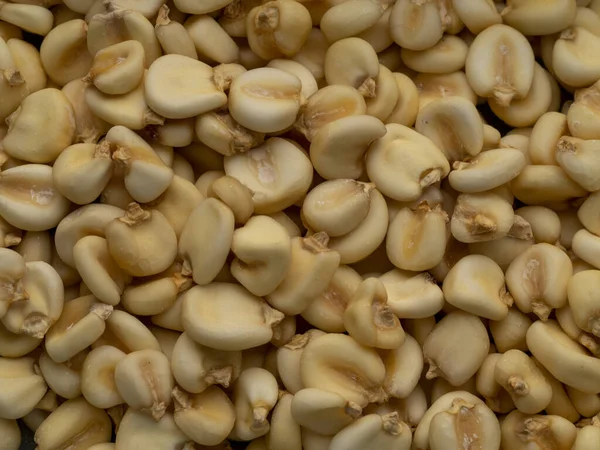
(456, 347)
(508, 62)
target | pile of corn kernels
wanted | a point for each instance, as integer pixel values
(300, 224)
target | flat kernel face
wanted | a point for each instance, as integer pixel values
(308, 224)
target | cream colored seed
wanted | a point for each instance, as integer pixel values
(378, 35)
(584, 248)
(138, 428)
(526, 384)
(33, 18)
(11, 435)
(273, 92)
(509, 63)
(586, 214)
(173, 36)
(129, 239)
(588, 405)
(156, 296)
(549, 345)
(28, 198)
(560, 404)
(547, 184)
(21, 389)
(482, 217)
(336, 207)
(509, 333)
(87, 220)
(34, 310)
(447, 56)
(327, 105)
(412, 295)
(337, 149)
(196, 367)
(10, 31)
(521, 431)
(119, 68)
(416, 238)
(148, 8)
(288, 358)
(416, 25)
(476, 285)
(386, 432)
(486, 384)
(401, 177)
(203, 29)
(422, 432)
(205, 181)
(326, 311)
(118, 25)
(36, 246)
(323, 412)
(487, 170)
(445, 349)
(278, 173)
(407, 106)
(525, 16)
(464, 422)
(205, 319)
(537, 279)
(312, 265)
(404, 366)
(80, 325)
(526, 111)
(144, 380)
(82, 171)
(263, 254)
(207, 417)
(454, 125)
(49, 109)
(100, 272)
(222, 133)
(578, 159)
(369, 320)
(64, 52)
(97, 377)
(233, 18)
(12, 271)
(88, 127)
(194, 92)
(312, 55)
(130, 110)
(583, 302)
(544, 137)
(588, 436)
(477, 15)
(340, 22)
(177, 202)
(126, 333)
(73, 423)
(574, 57)
(205, 240)
(277, 28)
(410, 410)
(566, 320)
(582, 115)
(353, 62)
(362, 374)
(545, 223)
(254, 396)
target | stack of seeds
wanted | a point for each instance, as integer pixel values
(300, 224)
